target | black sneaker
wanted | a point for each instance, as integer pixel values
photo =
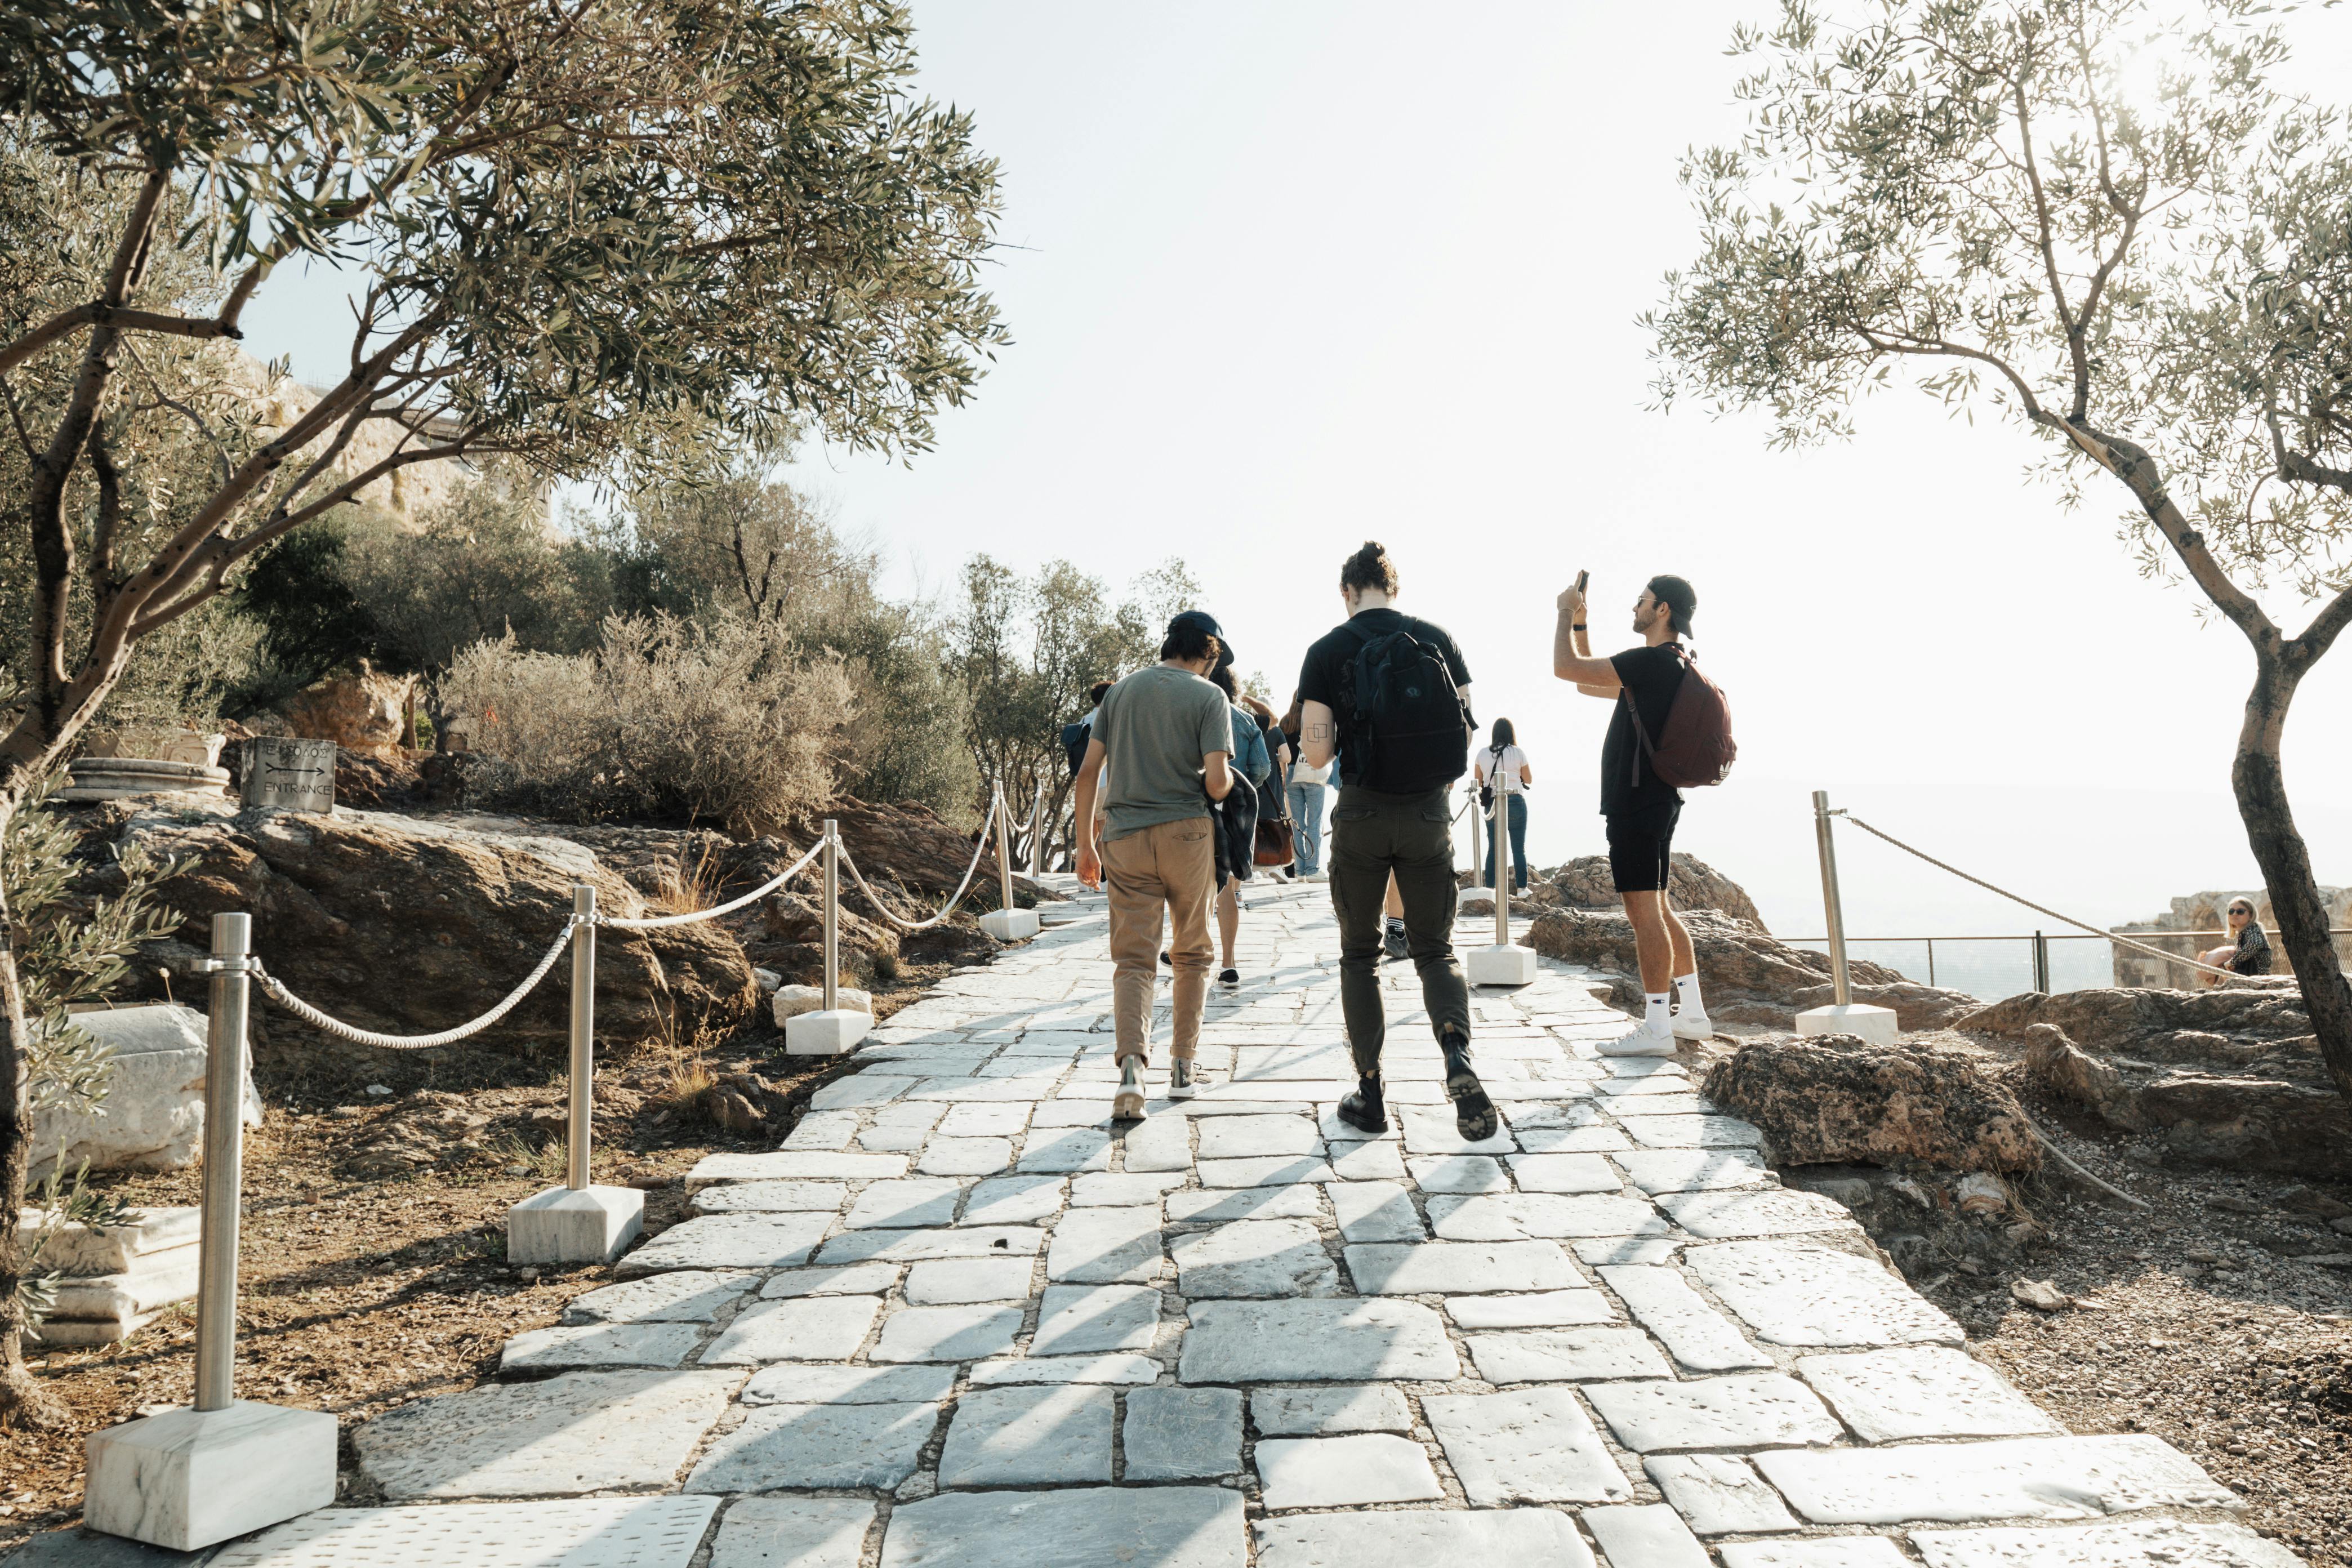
(1474, 1113)
(1168, 960)
(1229, 979)
(1362, 1110)
(1393, 938)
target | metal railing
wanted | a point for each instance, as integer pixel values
(2038, 944)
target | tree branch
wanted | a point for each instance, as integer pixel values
(2078, 352)
(1938, 349)
(2324, 629)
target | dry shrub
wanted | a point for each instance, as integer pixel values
(726, 721)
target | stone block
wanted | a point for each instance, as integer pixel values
(948, 1333)
(731, 1241)
(1077, 1527)
(1029, 1436)
(804, 1532)
(804, 1447)
(1446, 1268)
(790, 1383)
(1512, 966)
(810, 1328)
(566, 1224)
(1835, 1552)
(1719, 1494)
(1743, 1411)
(577, 1533)
(1415, 1539)
(2139, 1543)
(1011, 925)
(2010, 1478)
(1345, 1472)
(152, 1118)
(688, 1297)
(1106, 1246)
(1370, 1211)
(1532, 1445)
(1565, 1355)
(187, 1479)
(965, 1281)
(1531, 1310)
(1315, 1341)
(1795, 1293)
(1874, 1024)
(579, 1345)
(826, 1033)
(1921, 1391)
(1120, 1366)
(582, 1431)
(1254, 1257)
(1650, 1534)
(1695, 1333)
(1183, 1434)
(1320, 1412)
(1088, 1319)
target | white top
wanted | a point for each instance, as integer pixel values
(1481, 768)
(1301, 774)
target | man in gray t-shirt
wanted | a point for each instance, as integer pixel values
(1164, 735)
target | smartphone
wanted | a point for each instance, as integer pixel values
(1581, 579)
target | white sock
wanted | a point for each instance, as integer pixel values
(1687, 986)
(1654, 1015)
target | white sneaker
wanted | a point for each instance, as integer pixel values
(1643, 1041)
(1126, 1105)
(1694, 1027)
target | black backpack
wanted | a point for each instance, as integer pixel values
(1411, 729)
(1074, 744)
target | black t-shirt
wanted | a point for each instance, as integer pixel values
(1651, 677)
(1327, 675)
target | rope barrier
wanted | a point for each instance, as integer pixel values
(275, 989)
(655, 922)
(2029, 903)
(978, 849)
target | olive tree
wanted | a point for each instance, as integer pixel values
(598, 236)
(2107, 228)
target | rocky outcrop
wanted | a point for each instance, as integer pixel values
(365, 712)
(1837, 1099)
(1690, 884)
(793, 926)
(1750, 977)
(406, 926)
(2204, 1028)
(2273, 1112)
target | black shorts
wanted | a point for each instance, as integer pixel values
(1640, 842)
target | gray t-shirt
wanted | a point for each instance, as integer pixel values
(1156, 726)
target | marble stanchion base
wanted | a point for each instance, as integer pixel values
(1513, 965)
(1875, 1025)
(823, 1034)
(187, 1479)
(1010, 925)
(575, 1225)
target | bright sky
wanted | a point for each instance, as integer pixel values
(1283, 278)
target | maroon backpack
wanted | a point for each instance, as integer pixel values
(1695, 747)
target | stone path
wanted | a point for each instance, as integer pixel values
(959, 1321)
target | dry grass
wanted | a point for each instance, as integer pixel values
(689, 892)
(686, 1081)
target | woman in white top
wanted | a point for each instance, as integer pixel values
(1502, 767)
(1307, 785)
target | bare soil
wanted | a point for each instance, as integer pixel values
(359, 1293)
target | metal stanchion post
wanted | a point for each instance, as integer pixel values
(584, 1035)
(224, 1179)
(578, 1222)
(1844, 1015)
(832, 1030)
(832, 915)
(186, 1478)
(1477, 847)
(1038, 833)
(2042, 963)
(1004, 923)
(1501, 964)
(1500, 829)
(1830, 903)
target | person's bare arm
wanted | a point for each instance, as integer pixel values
(1318, 734)
(1216, 773)
(1089, 780)
(1528, 774)
(1571, 653)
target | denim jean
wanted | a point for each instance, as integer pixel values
(1307, 813)
(1518, 812)
(1413, 836)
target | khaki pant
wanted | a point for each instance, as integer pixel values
(1172, 867)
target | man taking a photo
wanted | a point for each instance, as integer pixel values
(1165, 733)
(1391, 695)
(1641, 808)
